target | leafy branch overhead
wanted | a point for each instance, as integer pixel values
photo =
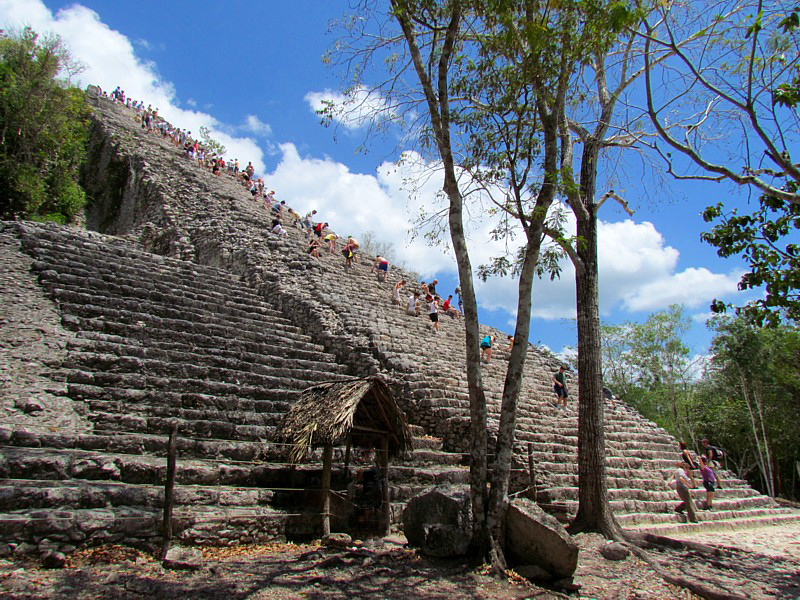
(767, 239)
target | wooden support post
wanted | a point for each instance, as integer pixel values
(169, 488)
(347, 451)
(327, 459)
(385, 506)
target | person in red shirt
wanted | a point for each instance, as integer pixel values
(448, 309)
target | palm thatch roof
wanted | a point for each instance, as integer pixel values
(327, 413)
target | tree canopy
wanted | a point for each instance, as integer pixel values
(43, 129)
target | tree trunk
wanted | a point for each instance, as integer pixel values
(438, 100)
(594, 511)
(504, 450)
(762, 451)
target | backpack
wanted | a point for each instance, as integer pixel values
(716, 453)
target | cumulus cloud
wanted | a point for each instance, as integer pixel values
(691, 287)
(352, 112)
(256, 126)
(356, 202)
(638, 272)
(110, 59)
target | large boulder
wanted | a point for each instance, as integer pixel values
(535, 538)
(439, 521)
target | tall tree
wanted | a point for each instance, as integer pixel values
(427, 46)
(757, 370)
(491, 94)
(43, 129)
(591, 128)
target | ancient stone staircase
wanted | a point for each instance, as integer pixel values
(216, 337)
(360, 325)
(641, 457)
(161, 341)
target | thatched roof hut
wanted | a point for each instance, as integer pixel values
(328, 413)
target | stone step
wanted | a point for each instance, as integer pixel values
(111, 257)
(70, 494)
(68, 282)
(257, 389)
(188, 342)
(639, 498)
(113, 302)
(195, 428)
(194, 407)
(296, 373)
(733, 522)
(146, 325)
(200, 525)
(216, 357)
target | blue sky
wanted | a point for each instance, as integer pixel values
(252, 72)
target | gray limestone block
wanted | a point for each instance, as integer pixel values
(438, 521)
(182, 558)
(614, 551)
(535, 537)
(533, 572)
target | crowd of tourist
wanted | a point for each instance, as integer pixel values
(196, 150)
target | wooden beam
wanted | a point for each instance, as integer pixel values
(327, 458)
(385, 507)
(169, 488)
(347, 451)
(370, 430)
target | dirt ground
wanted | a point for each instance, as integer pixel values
(755, 567)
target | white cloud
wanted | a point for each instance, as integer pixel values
(691, 287)
(353, 111)
(703, 317)
(110, 60)
(354, 202)
(256, 126)
(637, 273)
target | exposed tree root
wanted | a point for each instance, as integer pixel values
(639, 543)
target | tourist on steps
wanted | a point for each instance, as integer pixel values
(560, 388)
(381, 265)
(486, 348)
(433, 311)
(448, 309)
(686, 456)
(683, 478)
(396, 292)
(348, 253)
(413, 304)
(714, 455)
(277, 228)
(330, 239)
(709, 481)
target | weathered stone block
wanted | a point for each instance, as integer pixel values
(439, 521)
(535, 538)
